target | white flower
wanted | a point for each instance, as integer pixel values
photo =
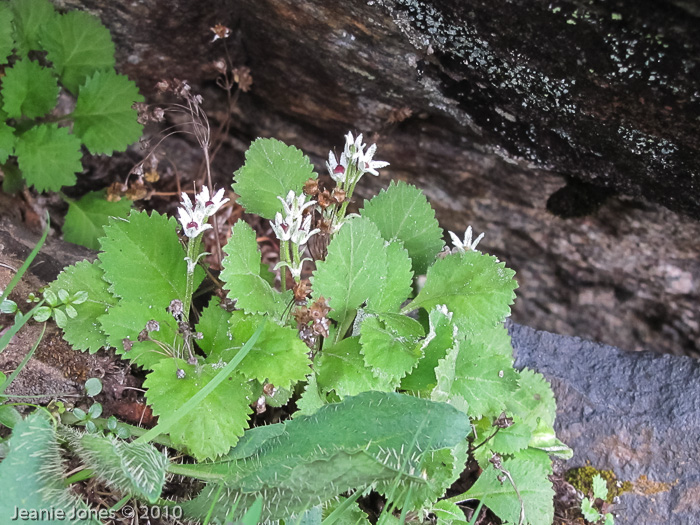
(294, 270)
(192, 221)
(282, 230)
(365, 163)
(294, 206)
(353, 147)
(337, 169)
(302, 234)
(466, 244)
(210, 205)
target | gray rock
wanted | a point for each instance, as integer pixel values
(636, 413)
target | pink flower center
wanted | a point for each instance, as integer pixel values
(192, 225)
(208, 203)
(339, 169)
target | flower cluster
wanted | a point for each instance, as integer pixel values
(354, 161)
(293, 225)
(194, 217)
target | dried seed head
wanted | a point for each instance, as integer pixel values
(339, 195)
(143, 336)
(242, 77)
(324, 199)
(219, 66)
(192, 360)
(198, 336)
(136, 191)
(152, 326)
(269, 389)
(311, 187)
(220, 32)
(127, 344)
(260, 405)
(162, 86)
(175, 308)
(152, 176)
(180, 374)
(503, 421)
(301, 291)
(116, 191)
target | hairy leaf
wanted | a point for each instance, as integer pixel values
(31, 476)
(342, 368)
(449, 513)
(213, 325)
(271, 170)
(7, 42)
(83, 332)
(78, 45)
(600, 487)
(143, 260)
(241, 274)
(473, 373)
(126, 320)
(87, 217)
(476, 288)
(353, 270)
(439, 340)
(390, 344)
(278, 356)
(402, 212)
(49, 157)
(7, 142)
(363, 439)
(30, 18)
(505, 441)
(533, 401)
(529, 470)
(310, 400)
(104, 118)
(137, 469)
(215, 425)
(28, 89)
(396, 287)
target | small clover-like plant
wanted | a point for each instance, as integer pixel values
(42, 53)
(345, 330)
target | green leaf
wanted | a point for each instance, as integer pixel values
(7, 42)
(398, 283)
(49, 157)
(136, 469)
(310, 399)
(341, 368)
(127, 319)
(506, 441)
(353, 270)
(83, 332)
(241, 274)
(352, 515)
(31, 476)
(143, 260)
(352, 444)
(474, 373)
(278, 356)
(476, 288)
(402, 212)
(104, 118)
(78, 45)
(390, 344)
(93, 386)
(87, 217)
(600, 487)
(28, 90)
(435, 345)
(213, 325)
(271, 170)
(530, 471)
(533, 401)
(30, 19)
(590, 513)
(220, 418)
(449, 513)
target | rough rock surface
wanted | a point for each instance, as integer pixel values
(637, 414)
(518, 110)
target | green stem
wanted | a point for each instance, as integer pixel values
(475, 516)
(20, 321)
(191, 471)
(284, 255)
(192, 252)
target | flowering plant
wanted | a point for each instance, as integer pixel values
(350, 331)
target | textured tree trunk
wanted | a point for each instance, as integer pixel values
(567, 132)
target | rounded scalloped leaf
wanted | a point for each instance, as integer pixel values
(30, 18)
(271, 170)
(6, 40)
(104, 118)
(28, 90)
(7, 141)
(403, 212)
(49, 157)
(216, 423)
(83, 332)
(143, 260)
(476, 288)
(87, 217)
(78, 45)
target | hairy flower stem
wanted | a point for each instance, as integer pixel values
(284, 255)
(192, 256)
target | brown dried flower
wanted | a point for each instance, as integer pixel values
(220, 32)
(242, 77)
(115, 192)
(311, 187)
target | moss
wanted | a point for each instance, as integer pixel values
(582, 479)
